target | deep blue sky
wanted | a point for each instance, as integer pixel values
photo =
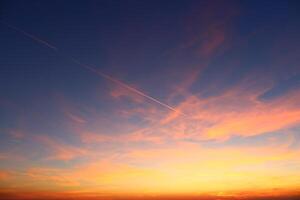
(133, 40)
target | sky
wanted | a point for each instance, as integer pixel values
(102, 99)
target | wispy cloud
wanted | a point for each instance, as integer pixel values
(59, 150)
(209, 30)
(147, 171)
(4, 175)
(236, 112)
(17, 133)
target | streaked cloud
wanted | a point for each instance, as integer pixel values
(58, 150)
(148, 171)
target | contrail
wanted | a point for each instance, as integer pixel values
(132, 89)
(92, 69)
(31, 36)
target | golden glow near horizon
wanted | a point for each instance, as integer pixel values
(169, 157)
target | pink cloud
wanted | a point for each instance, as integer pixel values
(118, 92)
(209, 27)
(76, 118)
(236, 112)
(136, 136)
(212, 41)
(17, 134)
(59, 150)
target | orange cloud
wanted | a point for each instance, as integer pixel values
(181, 168)
(236, 112)
(53, 176)
(4, 175)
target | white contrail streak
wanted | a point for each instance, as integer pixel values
(92, 69)
(132, 89)
(31, 36)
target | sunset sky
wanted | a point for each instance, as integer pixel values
(149, 98)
